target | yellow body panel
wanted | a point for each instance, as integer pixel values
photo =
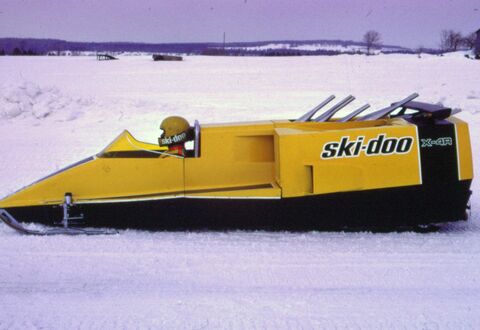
(107, 179)
(102, 179)
(232, 156)
(302, 170)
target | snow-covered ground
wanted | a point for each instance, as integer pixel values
(55, 111)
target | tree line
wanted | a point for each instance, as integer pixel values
(18, 51)
(451, 40)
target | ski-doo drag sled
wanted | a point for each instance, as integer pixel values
(407, 164)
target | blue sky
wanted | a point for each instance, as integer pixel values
(410, 23)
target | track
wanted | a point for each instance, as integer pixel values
(242, 280)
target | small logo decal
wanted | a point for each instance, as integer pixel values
(381, 145)
(173, 139)
(441, 142)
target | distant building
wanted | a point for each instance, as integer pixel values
(477, 45)
(105, 57)
(160, 57)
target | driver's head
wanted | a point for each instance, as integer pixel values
(175, 130)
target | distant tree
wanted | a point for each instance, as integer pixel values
(444, 44)
(419, 51)
(17, 51)
(213, 52)
(2, 52)
(450, 40)
(469, 41)
(456, 40)
(371, 39)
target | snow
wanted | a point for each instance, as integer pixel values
(57, 110)
(313, 46)
(30, 100)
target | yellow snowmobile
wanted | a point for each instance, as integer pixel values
(407, 164)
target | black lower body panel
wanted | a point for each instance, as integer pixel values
(379, 208)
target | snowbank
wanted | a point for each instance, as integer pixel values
(30, 101)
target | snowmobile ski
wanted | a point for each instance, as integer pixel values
(11, 222)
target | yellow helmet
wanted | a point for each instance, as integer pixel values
(175, 130)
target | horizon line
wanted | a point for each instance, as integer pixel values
(205, 42)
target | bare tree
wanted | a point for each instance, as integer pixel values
(450, 40)
(456, 40)
(420, 49)
(469, 41)
(444, 41)
(371, 39)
